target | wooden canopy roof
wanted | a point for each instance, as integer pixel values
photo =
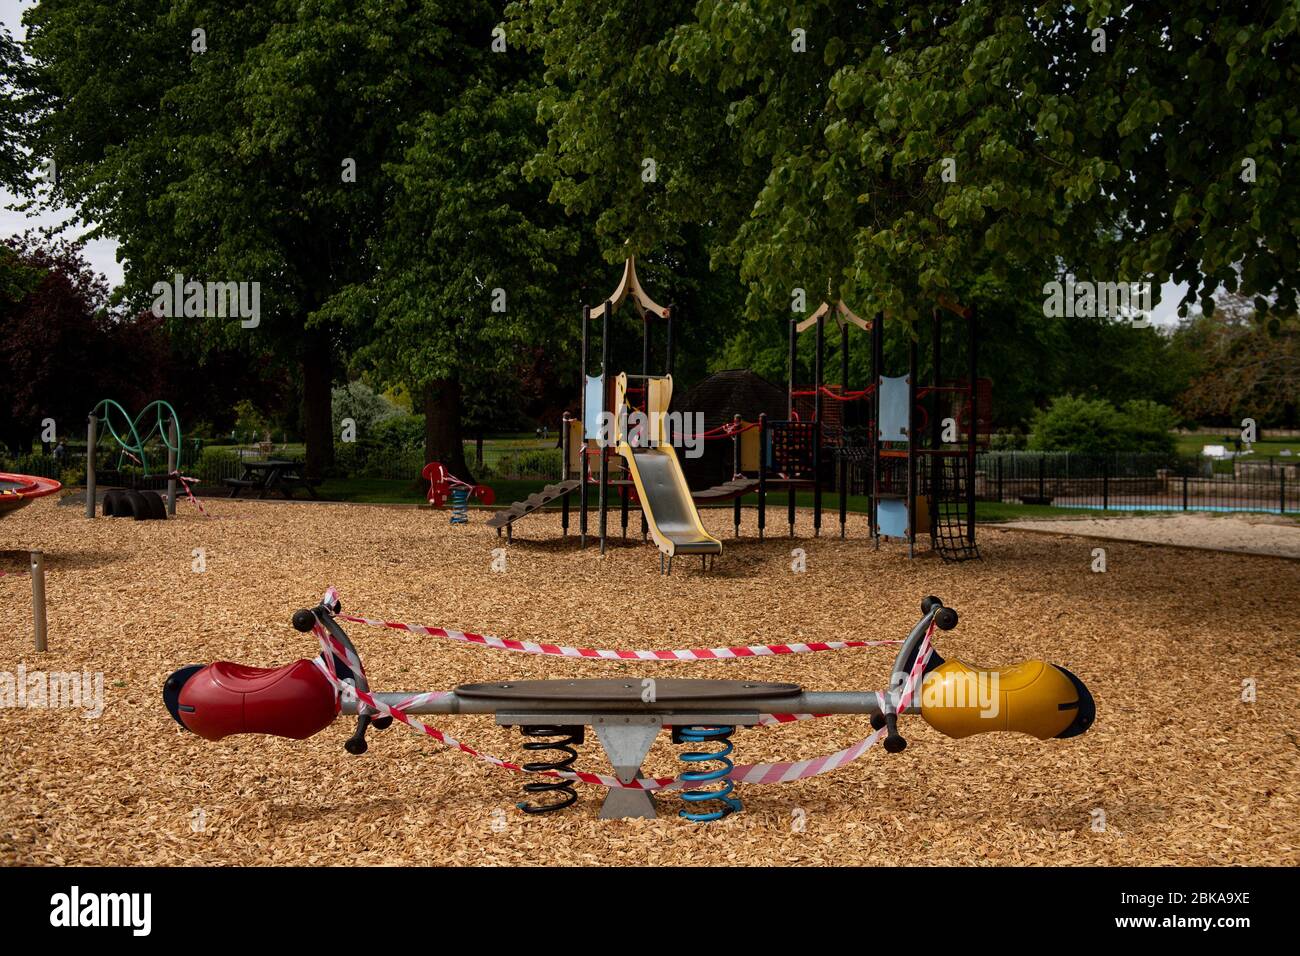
(629, 286)
(840, 312)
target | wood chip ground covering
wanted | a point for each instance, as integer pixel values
(1184, 771)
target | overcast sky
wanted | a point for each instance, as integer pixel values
(102, 253)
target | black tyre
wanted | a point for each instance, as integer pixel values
(114, 506)
(138, 506)
(157, 507)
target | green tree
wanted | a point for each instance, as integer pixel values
(63, 347)
(913, 152)
(472, 265)
(1148, 427)
(1249, 364)
(13, 163)
(220, 141)
(359, 402)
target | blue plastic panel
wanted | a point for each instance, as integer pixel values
(894, 393)
(891, 517)
(593, 405)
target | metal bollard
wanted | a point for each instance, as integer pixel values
(38, 597)
(91, 424)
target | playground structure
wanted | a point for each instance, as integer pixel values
(134, 447)
(644, 469)
(300, 699)
(18, 491)
(444, 487)
(911, 446)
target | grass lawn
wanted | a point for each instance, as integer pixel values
(1192, 445)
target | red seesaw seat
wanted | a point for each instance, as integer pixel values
(224, 698)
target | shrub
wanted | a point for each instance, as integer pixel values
(359, 402)
(1080, 425)
(398, 433)
(250, 424)
(1148, 427)
(41, 466)
(215, 463)
(534, 463)
(1095, 427)
(1012, 440)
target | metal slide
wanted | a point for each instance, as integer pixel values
(666, 501)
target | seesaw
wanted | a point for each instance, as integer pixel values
(627, 714)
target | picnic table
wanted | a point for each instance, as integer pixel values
(271, 475)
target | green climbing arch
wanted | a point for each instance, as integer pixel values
(127, 430)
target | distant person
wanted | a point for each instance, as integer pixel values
(61, 454)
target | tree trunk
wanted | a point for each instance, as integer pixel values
(442, 437)
(317, 426)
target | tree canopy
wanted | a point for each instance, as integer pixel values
(426, 193)
(907, 152)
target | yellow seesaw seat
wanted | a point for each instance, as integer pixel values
(1035, 698)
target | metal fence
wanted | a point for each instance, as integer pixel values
(1122, 482)
(210, 465)
(1140, 482)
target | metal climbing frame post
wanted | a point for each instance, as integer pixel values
(843, 476)
(564, 471)
(936, 426)
(911, 445)
(582, 447)
(173, 465)
(818, 375)
(877, 364)
(763, 438)
(735, 472)
(972, 332)
(600, 447)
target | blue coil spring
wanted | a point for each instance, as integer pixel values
(459, 505)
(730, 804)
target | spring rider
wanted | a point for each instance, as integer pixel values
(444, 487)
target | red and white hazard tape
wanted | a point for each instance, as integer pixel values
(759, 773)
(185, 483)
(555, 650)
